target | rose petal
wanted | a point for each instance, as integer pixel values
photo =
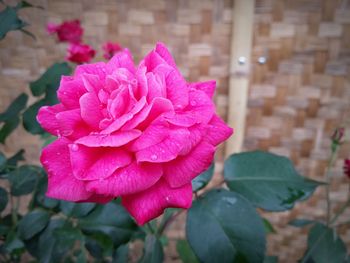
(218, 131)
(92, 83)
(90, 110)
(100, 199)
(149, 113)
(116, 139)
(120, 104)
(142, 85)
(197, 133)
(176, 86)
(154, 134)
(98, 69)
(200, 107)
(96, 163)
(149, 204)
(47, 118)
(153, 60)
(123, 76)
(128, 180)
(163, 51)
(122, 59)
(183, 169)
(71, 124)
(70, 91)
(108, 127)
(61, 182)
(166, 150)
(158, 86)
(183, 119)
(207, 86)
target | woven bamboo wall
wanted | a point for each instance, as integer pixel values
(295, 99)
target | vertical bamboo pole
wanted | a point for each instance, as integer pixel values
(241, 45)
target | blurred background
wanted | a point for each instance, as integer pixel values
(286, 92)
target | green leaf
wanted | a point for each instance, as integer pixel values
(47, 242)
(99, 245)
(301, 222)
(40, 198)
(32, 223)
(2, 161)
(110, 219)
(267, 180)
(10, 116)
(168, 212)
(271, 259)
(15, 108)
(13, 160)
(76, 209)
(25, 4)
(9, 21)
(185, 252)
(50, 80)
(268, 226)
(164, 240)
(65, 239)
(32, 246)
(23, 180)
(28, 33)
(6, 225)
(121, 254)
(47, 84)
(12, 242)
(3, 199)
(4, 229)
(153, 250)
(8, 128)
(81, 258)
(224, 227)
(324, 245)
(203, 179)
(29, 117)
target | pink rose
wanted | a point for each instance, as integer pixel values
(141, 133)
(111, 49)
(68, 31)
(80, 53)
(52, 28)
(347, 167)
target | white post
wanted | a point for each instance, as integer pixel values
(241, 45)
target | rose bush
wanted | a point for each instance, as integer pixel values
(141, 133)
(80, 53)
(110, 49)
(68, 31)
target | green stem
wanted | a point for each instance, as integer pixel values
(168, 222)
(14, 210)
(340, 212)
(342, 224)
(309, 252)
(328, 181)
(150, 228)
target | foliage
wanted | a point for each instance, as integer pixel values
(52, 229)
(45, 89)
(10, 119)
(9, 19)
(267, 180)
